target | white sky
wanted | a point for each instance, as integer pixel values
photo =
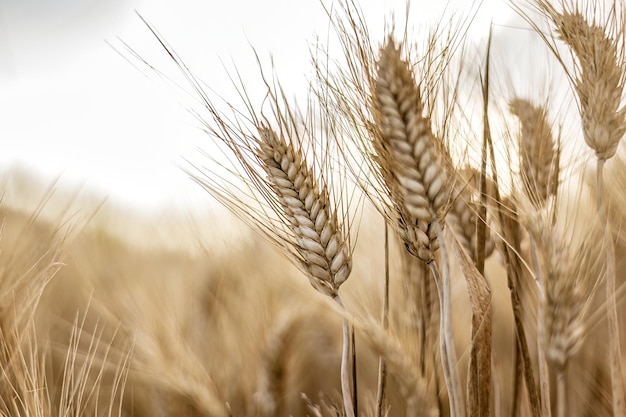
(71, 105)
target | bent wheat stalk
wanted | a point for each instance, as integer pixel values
(382, 367)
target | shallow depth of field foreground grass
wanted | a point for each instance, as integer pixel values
(421, 238)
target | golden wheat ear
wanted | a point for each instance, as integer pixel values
(409, 162)
(599, 81)
(276, 175)
(537, 152)
(318, 236)
(417, 184)
(566, 265)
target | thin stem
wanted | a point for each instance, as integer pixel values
(355, 395)
(448, 353)
(561, 392)
(511, 249)
(535, 261)
(517, 383)
(481, 225)
(544, 375)
(345, 359)
(512, 264)
(615, 357)
(382, 368)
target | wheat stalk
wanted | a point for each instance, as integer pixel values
(598, 77)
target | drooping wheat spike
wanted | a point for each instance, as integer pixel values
(406, 150)
(599, 81)
(537, 152)
(275, 189)
(281, 193)
(317, 234)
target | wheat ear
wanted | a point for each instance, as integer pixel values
(414, 172)
(306, 204)
(412, 385)
(417, 185)
(540, 177)
(319, 238)
(599, 83)
(565, 295)
(538, 156)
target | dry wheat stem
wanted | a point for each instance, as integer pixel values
(513, 265)
(615, 356)
(382, 368)
(345, 362)
(479, 375)
(448, 352)
(561, 393)
(544, 375)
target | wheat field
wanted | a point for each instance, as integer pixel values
(421, 237)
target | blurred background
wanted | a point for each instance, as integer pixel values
(77, 106)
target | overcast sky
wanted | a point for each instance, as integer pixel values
(71, 105)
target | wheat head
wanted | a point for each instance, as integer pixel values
(599, 82)
(412, 167)
(538, 157)
(306, 204)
